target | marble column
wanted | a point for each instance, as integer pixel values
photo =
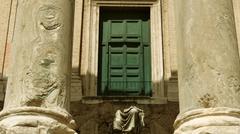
(37, 96)
(209, 68)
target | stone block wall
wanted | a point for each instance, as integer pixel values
(98, 118)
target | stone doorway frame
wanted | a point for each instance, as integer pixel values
(90, 43)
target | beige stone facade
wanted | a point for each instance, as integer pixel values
(172, 53)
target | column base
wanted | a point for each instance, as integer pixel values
(220, 120)
(35, 120)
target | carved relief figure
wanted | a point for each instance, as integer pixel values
(44, 83)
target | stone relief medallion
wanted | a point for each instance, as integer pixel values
(49, 17)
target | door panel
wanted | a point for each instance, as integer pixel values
(123, 51)
(125, 68)
(117, 27)
(132, 59)
(116, 67)
(133, 27)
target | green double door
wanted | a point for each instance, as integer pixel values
(125, 55)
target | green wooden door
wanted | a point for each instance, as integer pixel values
(125, 56)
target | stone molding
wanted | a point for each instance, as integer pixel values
(201, 120)
(57, 113)
(129, 99)
(169, 40)
(5, 9)
(236, 7)
(89, 64)
(51, 120)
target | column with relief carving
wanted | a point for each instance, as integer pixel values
(37, 96)
(209, 68)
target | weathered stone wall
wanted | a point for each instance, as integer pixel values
(7, 20)
(94, 118)
(98, 118)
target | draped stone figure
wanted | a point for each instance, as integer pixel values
(129, 121)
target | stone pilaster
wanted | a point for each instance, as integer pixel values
(209, 68)
(37, 96)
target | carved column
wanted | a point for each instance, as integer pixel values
(37, 96)
(209, 68)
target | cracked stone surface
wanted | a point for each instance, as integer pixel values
(37, 96)
(209, 65)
